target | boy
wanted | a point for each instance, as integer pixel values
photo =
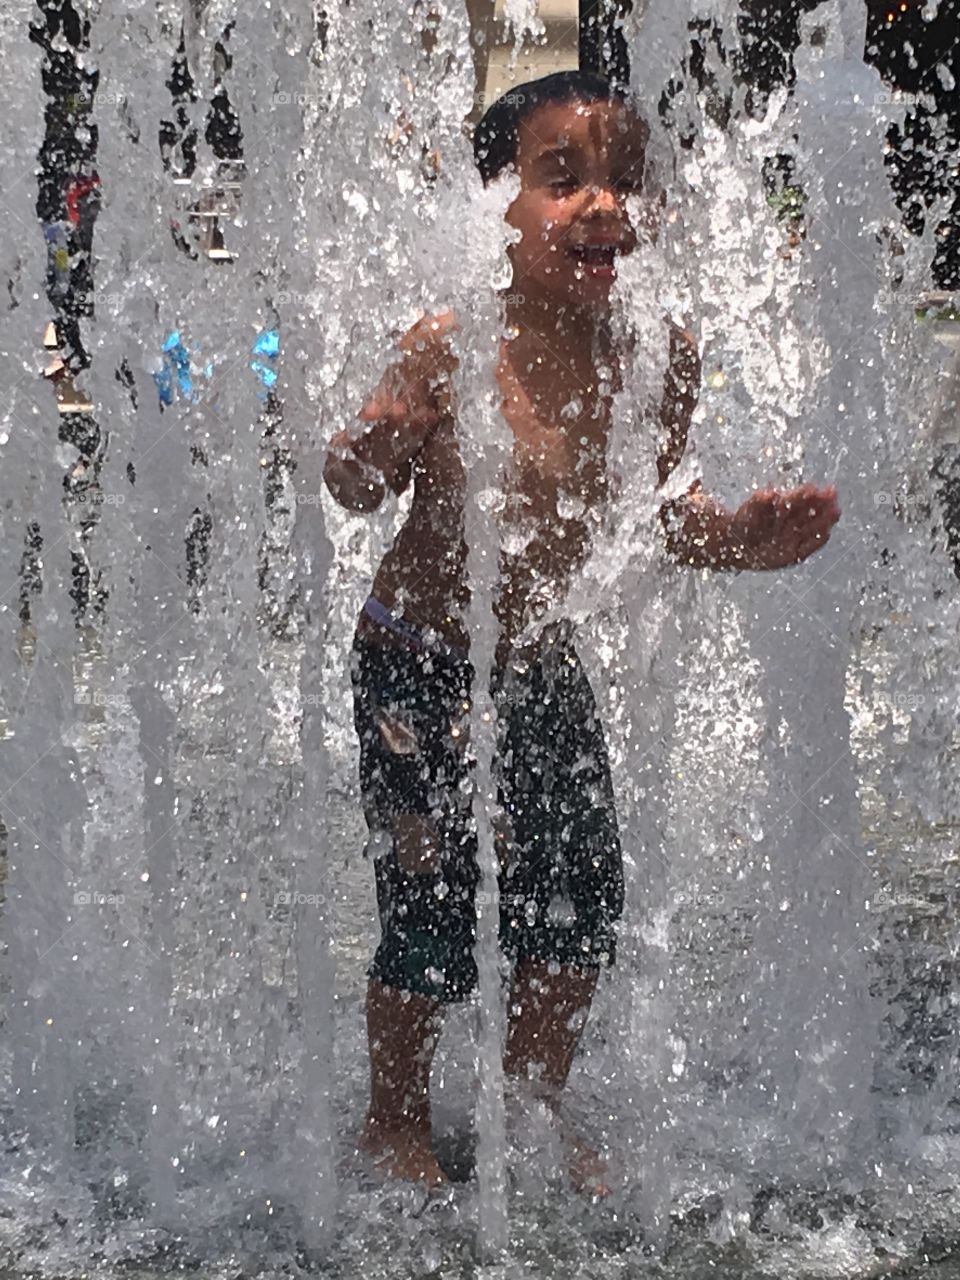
(578, 150)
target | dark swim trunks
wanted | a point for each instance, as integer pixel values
(561, 882)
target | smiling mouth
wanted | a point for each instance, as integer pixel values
(597, 255)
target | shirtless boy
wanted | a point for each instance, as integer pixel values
(579, 152)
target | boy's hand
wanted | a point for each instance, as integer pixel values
(773, 529)
(410, 408)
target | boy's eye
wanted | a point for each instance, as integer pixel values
(568, 181)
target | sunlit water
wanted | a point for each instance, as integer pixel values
(187, 921)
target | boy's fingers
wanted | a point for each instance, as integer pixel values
(812, 529)
(819, 506)
(826, 513)
(815, 532)
(777, 513)
(379, 409)
(808, 546)
(825, 501)
(764, 507)
(812, 493)
(800, 499)
(369, 412)
(399, 413)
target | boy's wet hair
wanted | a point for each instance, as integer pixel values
(496, 138)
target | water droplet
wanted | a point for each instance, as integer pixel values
(569, 507)
(490, 500)
(561, 912)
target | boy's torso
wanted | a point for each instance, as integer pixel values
(557, 488)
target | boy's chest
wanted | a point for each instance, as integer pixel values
(558, 455)
(559, 444)
(558, 471)
(553, 457)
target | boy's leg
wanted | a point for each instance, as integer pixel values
(565, 856)
(409, 769)
(402, 1028)
(546, 1018)
(547, 1014)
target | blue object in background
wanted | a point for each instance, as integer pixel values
(268, 346)
(176, 365)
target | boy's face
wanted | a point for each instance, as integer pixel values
(577, 163)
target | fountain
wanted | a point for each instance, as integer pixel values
(187, 915)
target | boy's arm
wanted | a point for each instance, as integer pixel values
(769, 531)
(409, 402)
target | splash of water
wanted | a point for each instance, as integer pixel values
(178, 1067)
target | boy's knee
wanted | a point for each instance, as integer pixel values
(415, 843)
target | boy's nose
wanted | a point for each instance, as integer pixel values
(603, 199)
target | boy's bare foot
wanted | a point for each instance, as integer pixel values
(402, 1153)
(586, 1167)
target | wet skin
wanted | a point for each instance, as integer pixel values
(577, 164)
